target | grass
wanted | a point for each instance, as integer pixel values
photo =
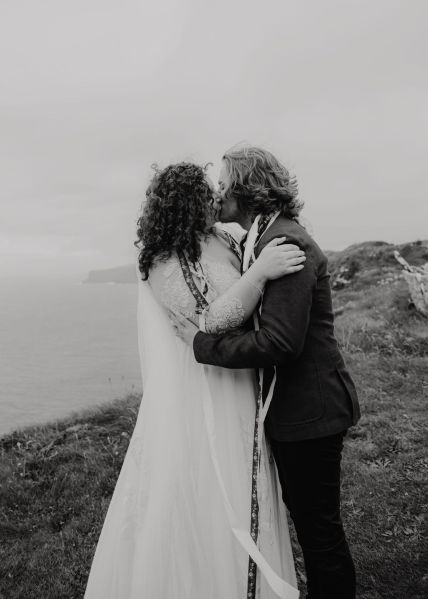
(56, 480)
(56, 483)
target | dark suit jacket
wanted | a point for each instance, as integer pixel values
(314, 394)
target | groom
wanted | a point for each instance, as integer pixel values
(314, 400)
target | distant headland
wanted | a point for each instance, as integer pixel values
(120, 274)
(357, 258)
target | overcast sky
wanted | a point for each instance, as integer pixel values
(94, 91)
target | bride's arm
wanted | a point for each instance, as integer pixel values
(237, 304)
(170, 289)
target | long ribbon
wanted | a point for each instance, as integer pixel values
(257, 230)
(280, 587)
(252, 240)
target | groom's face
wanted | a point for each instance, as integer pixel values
(229, 211)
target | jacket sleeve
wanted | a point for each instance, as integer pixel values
(283, 323)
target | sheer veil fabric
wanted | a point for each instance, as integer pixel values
(177, 525)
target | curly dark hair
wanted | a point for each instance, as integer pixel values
(177, 215)
(260, 183)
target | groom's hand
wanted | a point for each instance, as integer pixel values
(183, 327)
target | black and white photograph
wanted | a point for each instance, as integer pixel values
(213, 299)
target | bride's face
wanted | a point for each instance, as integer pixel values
(215, 202)
(229, 211)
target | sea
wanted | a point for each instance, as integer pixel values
(64, 346)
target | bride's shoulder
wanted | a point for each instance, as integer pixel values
(164, 268)
(229, 229)
(167, 282)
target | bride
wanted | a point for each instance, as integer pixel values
(192, 516)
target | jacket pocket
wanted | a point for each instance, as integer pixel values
(350, 390)
(299, 400)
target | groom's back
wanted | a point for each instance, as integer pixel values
(314, 394)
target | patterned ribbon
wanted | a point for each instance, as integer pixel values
(233, 244)
(201, 301)
(260, 227)
(248, 541)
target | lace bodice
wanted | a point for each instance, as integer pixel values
(214, 277)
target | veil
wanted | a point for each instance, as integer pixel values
(170, 528)
(165, 442)
(146, 519)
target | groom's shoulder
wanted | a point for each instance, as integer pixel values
(294, 233)
(291, 229)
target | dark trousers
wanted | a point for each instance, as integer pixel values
(309, 472)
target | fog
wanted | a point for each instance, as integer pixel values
(93, 93)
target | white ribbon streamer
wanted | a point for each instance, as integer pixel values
(281, 588)
(277, 584)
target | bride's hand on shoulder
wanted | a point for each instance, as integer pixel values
(278, 259)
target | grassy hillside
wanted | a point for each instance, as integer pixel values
(56, 480)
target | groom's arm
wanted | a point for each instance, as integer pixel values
(283, 325)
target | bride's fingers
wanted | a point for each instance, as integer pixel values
(288, 248)
(291, 264)
(175, 318)
(296, 268)
(275, 241)
(295, 260)
(175, 314)
(178, 321)
(292, 255)
(171, 314)
(295, 264)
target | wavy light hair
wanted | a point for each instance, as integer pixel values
(260, 183)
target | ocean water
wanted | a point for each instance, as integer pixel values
(64, 346)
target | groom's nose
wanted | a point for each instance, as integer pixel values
(217, 198)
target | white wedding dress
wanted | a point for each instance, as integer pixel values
(178, 523)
